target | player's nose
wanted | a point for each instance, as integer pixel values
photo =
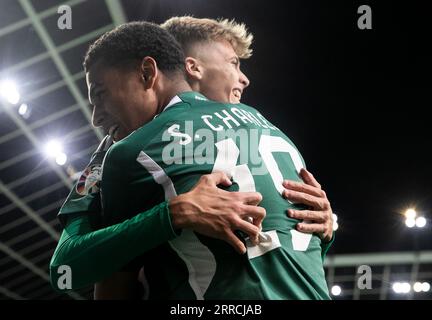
(98, 116)
(244, 80)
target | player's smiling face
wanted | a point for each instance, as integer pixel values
(221, 78)
(120, 103)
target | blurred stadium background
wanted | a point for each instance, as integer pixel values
(46, 139)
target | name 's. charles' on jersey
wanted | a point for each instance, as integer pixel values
(233, 117)
(193, 141)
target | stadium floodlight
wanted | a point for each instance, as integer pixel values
(418, 287)
(420, 222)
(406, 287)
(425, 286)
(401, 287)
(53, 148)
(61, 159)
(397, 287)
(410, 213)
(335, 224)
(336, 290)
(24, 110)
(410, 222)
(9, 91)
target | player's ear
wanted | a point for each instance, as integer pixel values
(193, 68)
(149, 72)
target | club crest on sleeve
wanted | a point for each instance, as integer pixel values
(89, 180)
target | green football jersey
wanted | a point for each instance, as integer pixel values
(84, 198)
(166, 157)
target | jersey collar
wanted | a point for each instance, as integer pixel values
(173, 101)
(192, 95)
(181, 97)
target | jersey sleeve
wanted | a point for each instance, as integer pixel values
(92, 255)
(84, 198)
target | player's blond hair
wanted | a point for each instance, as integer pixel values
(189, 30)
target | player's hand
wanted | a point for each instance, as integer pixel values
(217, 213)
(320, 215)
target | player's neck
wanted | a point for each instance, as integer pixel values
(172, 88)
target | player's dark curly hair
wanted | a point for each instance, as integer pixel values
(131, 42)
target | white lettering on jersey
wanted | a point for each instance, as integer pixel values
(207, 122)
(232, 117)
(187, 138)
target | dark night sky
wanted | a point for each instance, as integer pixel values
(353, 101)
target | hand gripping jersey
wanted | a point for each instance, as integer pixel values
(167, 156)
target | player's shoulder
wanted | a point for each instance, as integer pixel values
(193, 98)
(198, 103)
(118, 153)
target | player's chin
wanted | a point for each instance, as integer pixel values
(119, 134)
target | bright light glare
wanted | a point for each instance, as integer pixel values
(22, 110)
(420, 222)
(61, 159)
(335, 226)
(410, 213)
(406, 287)
(53, 148)
(418, 287)
(401, 287)
(9, 91)
(335, 217)
(397, 287)
(410, 222)
(336, 290)
(425, 286)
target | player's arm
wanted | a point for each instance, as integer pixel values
(92, 255)
(319, 214)
(205, 208)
